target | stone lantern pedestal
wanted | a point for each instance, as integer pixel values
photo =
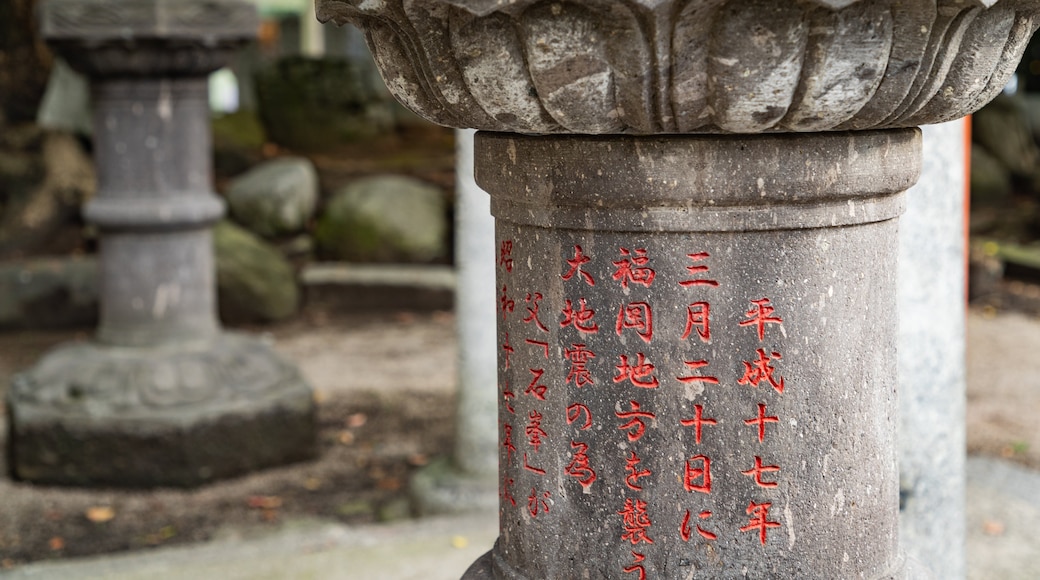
(696, 208)
(161, 396)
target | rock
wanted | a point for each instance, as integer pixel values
(276, 197)
(384, 219)
(254, 282)
(990, 180)
(49, 293)
(1002, 128)
(312, 104)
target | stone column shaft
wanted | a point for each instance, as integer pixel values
(155, 206)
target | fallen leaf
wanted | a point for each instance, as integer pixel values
(312, 484)
(7, 563)
(418, 460)
(459, 542)
(993, 528)
(100, 514)
(346, 437)
(356, 420)
(320, 396)
(405, 317)
(389, 484)
(56, 543)
(267, 502)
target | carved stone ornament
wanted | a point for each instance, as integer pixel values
(146, 37)
(699, 66)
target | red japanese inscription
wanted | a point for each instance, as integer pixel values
(759, 520)
(636, 522)
(534, 430)
(635, 426)
(636, 566)
(505, 255)
(579, 260)
(697, 474)
(508, 394)
(697, 270)
(531, 468)
(634, 473)
(640, 374)
(761, 421)
(698, 316)
(685, 531)
(508, 349)
(759, 315)
(580, 318)
(761, 370)
(534, 300)
(757, 471)
(698, 421)
(507, 495)
(538, 503)
(535, 389)
(637, 316)
(540, 344)
(575, 411)
(579, 356)
(507, 440)
(579, 467)
(632, 268)
(508, 305)
(694, 365)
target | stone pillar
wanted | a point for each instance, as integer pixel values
(468, 481)
(931, 356)
(161, 396)
(705, 385)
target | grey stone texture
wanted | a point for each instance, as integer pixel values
(761, 287)
(468, 481)
(255, 283)
(706, 66)
(386, 218)
(161, 396)
(276, 197)
(931, 366)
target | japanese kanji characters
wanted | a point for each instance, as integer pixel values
(632, 268)
(581, 318)
(761, 420)
(637, 316)
(698, 421)
(634, 472)
(761, 369)
(579, 356)
(640, 374)
(575, 263)
(698, 318)
(636, 425)
(757, 471)
(697, 474)
(759, 520)
(759, 315)
(579, 467)
(635, 522)
(697, 270)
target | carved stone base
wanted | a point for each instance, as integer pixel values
(441, 488)
(174, 415)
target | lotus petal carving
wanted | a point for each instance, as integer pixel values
(694, 66)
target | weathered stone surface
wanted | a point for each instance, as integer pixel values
(647, 284)
(177, 415)
(384, 219)
(254, 281)
(276, 197)
(708, 66)
(49, 293)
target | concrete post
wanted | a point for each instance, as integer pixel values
(706, 386)
(931, 356)
(161, 396)
(468, 481)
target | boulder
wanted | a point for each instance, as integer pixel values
(49, 293)
(276, 197)
(254, 282)
(384, 219)
(1002, 127)
(990, 180)
(310, 104)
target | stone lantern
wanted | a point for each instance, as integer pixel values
(161, 396)
(696, 208)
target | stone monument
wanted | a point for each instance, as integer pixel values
(161, 396)
(700, 199)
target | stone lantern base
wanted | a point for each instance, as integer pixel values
(174, 415)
